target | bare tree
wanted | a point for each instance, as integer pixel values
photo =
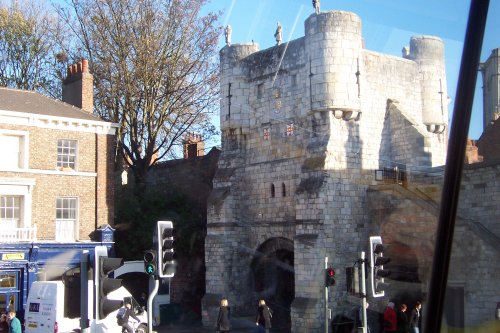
(155, 71)
(30, 58)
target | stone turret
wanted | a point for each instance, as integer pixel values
(490, 71)
(334, 42)
(234, 86)
(428, 52)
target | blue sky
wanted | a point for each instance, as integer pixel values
(387, 26)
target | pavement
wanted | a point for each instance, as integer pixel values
(238, 325)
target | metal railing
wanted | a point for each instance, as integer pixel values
(12, 235)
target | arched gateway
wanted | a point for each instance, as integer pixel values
(274, 279)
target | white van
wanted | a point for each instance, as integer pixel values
(47, 310)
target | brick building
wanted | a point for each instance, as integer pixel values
(56, 179)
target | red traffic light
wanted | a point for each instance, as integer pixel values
(330, 277)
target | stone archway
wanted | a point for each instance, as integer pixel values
(274, 279)
(406, 276)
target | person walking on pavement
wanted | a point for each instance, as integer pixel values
(264, 316)
(415, 318)
(402, 319)
(359, 318)
(123, 316)
(390, 323)
(14, 323)
(4, 325)
(224, 317)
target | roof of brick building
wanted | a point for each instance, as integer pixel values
(27, 101)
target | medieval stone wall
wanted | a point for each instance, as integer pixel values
(305, 125)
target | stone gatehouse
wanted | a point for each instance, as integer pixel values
(306, 125)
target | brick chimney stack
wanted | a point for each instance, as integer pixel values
(193, 146)
(78, 87)
(472, 153)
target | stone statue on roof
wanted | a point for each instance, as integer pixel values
(227, 32)
(316, 5)
(278, 34)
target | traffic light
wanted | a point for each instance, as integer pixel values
(329, 277)
(377, 262)
(150, 262)
(166, 263)
(103, 265)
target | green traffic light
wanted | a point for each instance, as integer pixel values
(150, 269)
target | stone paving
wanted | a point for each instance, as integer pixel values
(238, 326)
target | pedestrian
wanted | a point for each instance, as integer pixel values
(390, 322)
(14, 323)
(264, 316)
(124, 313)
(402, 319)
(224, 318)
(415, 318)
(359, 319)
(4, 325)
(143, 301)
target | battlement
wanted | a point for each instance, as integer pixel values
(326, 71)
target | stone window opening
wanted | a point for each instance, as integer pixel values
(273, 191)
(266, 133)
(283, 189)
(260, 90)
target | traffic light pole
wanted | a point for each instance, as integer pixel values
(326, 299)
(150, 302)
(363, 291)
(84, 291)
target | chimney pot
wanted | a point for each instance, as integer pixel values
(79, 67)
(85, 65)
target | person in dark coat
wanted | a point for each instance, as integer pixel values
(4, 325)
(415, 318)
(264, 316)
(224, 318)
(123, 316)
(402, 319)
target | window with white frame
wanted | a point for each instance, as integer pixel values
(10, 211)
(13, 147)
(66, 154)
(66, 219)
